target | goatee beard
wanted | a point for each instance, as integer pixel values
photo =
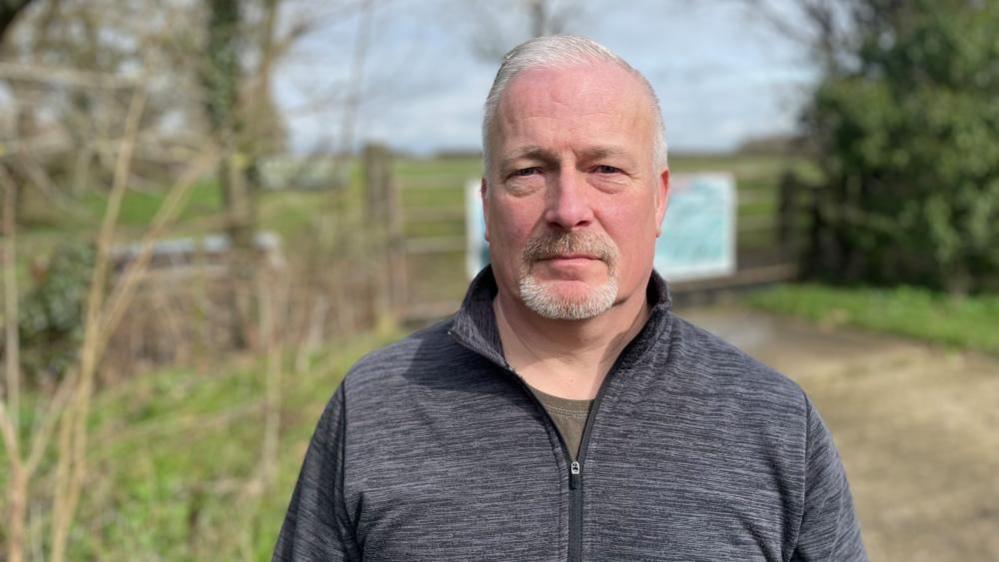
(543, 297)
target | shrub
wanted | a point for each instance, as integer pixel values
(51, 314)
(909, 146)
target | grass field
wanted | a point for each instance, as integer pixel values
(174, 453)
(970, 322)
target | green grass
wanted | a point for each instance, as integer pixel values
(139, 207)
(970, 322)
(170, 453)
(292, 214)
(450, 170)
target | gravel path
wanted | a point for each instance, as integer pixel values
(917, 427)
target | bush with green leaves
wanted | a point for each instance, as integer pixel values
(909, 145)
(51, 314)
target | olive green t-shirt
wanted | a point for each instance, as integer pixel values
(569, 417)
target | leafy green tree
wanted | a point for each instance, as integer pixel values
(908, 140)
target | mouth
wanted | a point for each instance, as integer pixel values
(569, 262)
(570, 257)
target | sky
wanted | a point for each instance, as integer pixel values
(722, 74)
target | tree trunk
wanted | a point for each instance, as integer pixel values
(221, 80)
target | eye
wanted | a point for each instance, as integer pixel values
(525, 172)
(605, 169)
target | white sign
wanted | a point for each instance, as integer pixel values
(698, 239)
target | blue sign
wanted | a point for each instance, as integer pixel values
(698, 239)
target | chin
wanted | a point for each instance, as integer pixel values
(567, 300)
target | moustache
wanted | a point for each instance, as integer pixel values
(552, 244)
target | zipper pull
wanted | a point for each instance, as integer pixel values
(575, 470)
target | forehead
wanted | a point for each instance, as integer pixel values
(598, 98)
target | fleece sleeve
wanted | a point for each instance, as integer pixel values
(829, 526)
(317, 526)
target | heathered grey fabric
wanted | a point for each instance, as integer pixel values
(432, 450)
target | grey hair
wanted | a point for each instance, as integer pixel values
(564, 51)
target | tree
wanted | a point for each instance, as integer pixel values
(244, 119)
(9, 10)
(501, 25)
(908, 142)
(831, 30)
(222, 77)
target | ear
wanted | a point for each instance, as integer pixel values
(485, 204)
(662, 200)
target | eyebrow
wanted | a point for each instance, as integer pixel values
(598, 152)
(534, 152)
(531, 152)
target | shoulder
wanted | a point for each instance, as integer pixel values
(769, 424)
(428, 364)
(706, 363)
(425, 351)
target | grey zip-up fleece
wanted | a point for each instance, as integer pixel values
(433, 449)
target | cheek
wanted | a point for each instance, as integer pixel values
(512, 221)
(632, 226)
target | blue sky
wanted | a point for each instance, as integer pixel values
(722, 74)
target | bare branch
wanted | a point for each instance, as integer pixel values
(9, 420)
(100, 324)
(171, 207)
(65, 76)
(9, 10)
(12, 363)
(48, 419)
(73, 445)
(356, 76)
(9, 435)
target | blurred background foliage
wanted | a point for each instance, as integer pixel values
(183, 437)
(908, 143)
(51, 313)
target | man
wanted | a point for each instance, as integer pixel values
(564, 412)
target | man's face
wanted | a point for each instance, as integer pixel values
(573, 201)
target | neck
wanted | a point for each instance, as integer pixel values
(566, 358)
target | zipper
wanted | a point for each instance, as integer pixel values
(575, 465)
(575, 473)
(575, 511)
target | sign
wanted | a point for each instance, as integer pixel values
(698, 239)
(476, 247)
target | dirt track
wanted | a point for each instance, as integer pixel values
(917, 427)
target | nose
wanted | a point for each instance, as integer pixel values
(567, 205)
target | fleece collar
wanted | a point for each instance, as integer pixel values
(474, 325)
